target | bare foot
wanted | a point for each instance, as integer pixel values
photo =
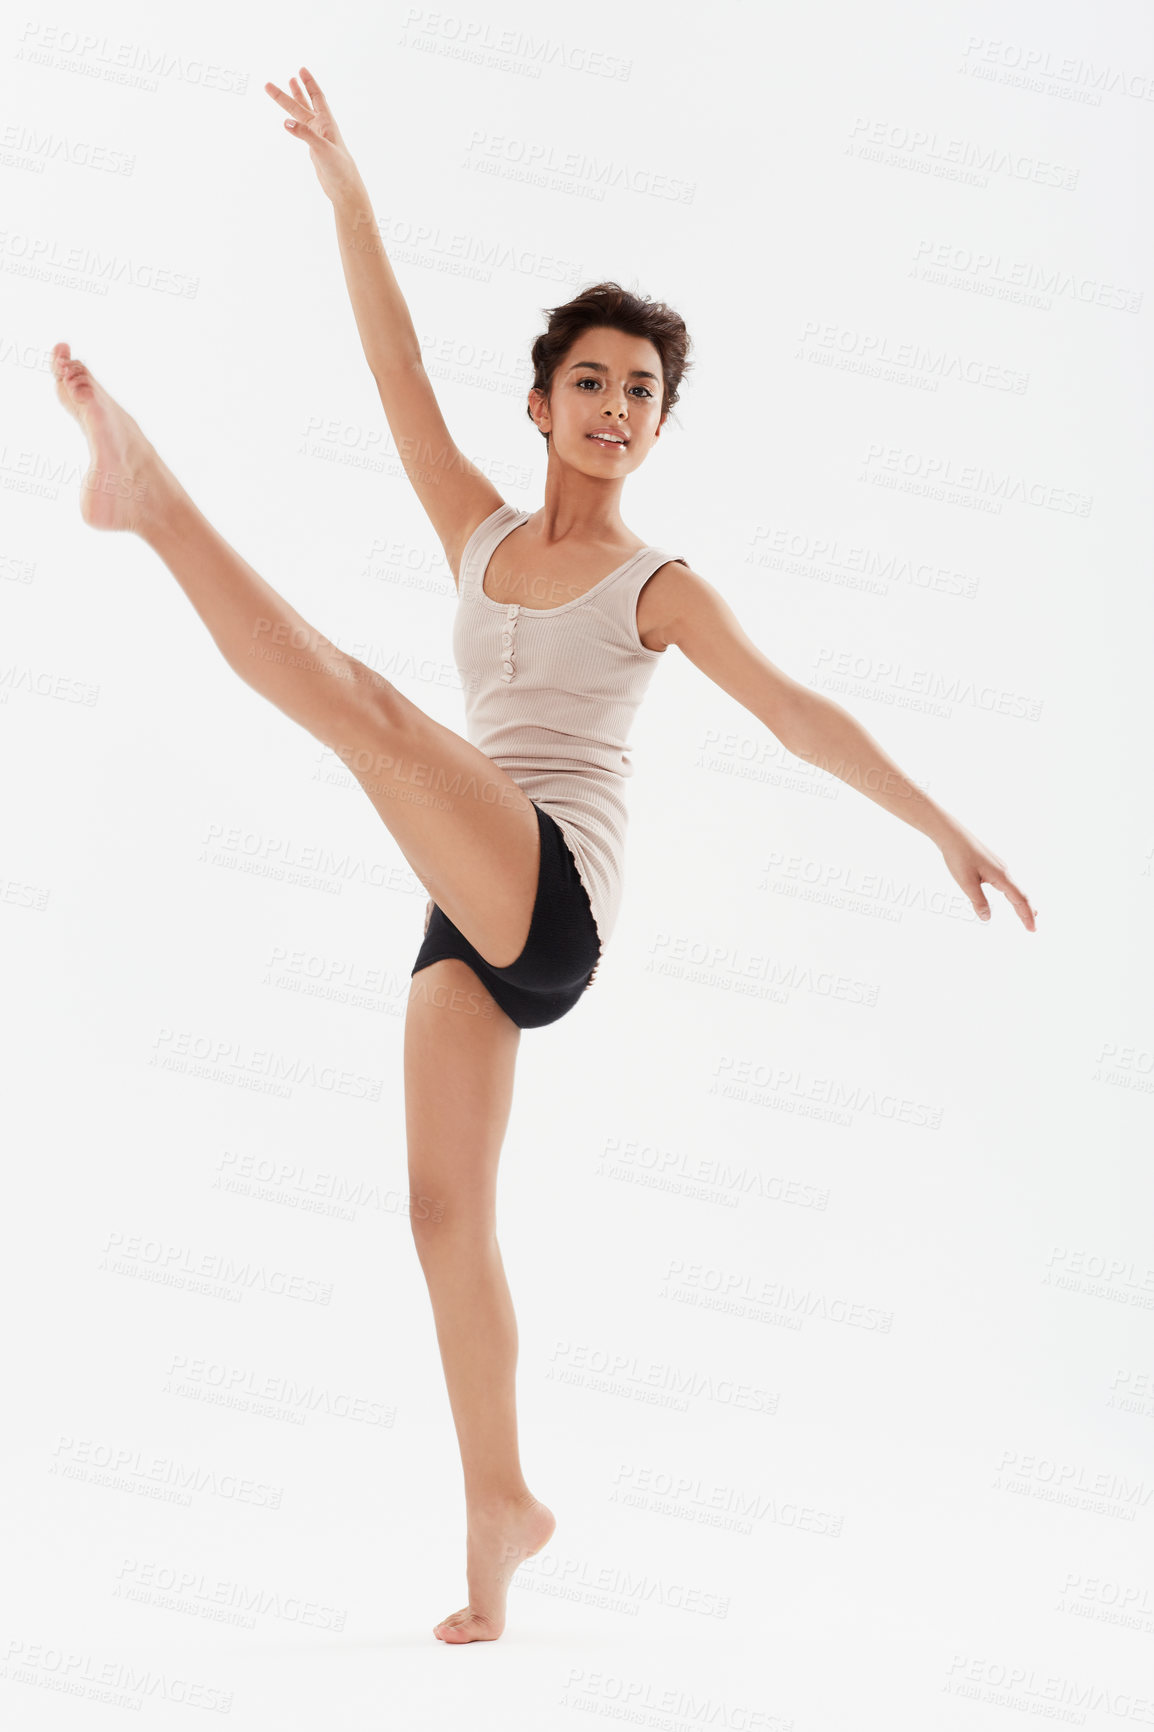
(125, 483)
(499, 1540)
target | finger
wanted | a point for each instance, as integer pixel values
(300, 96)
(980, 905)
(288, 103)
(1020, 902)
(316, 94)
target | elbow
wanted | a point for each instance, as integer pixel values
(803, 721)
(790, 720)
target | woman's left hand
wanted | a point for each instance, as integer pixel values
(972, 866)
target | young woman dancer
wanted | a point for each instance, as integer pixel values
(517, 832)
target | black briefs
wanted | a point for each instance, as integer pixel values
(561, 952)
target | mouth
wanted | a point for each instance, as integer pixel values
(614, 441)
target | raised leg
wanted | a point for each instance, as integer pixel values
(460, 1057)
(465, 827)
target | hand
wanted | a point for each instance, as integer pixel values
(312, 120)
(972, 866)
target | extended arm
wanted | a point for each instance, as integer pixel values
(456, 495)
(687, 611)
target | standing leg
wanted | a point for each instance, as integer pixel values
(465, 827)
(460, 1056)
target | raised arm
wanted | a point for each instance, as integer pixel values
(454, 492)
(679, 607)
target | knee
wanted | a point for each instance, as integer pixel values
(389, 758)
(442, 1227)
(375, 720)
(385, 710)
(426, 1217)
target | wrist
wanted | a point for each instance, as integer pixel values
(351, 202)
(906, 800)
(923, 813)
(943, 830)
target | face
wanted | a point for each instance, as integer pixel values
(603, 414)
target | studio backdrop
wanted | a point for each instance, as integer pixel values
(826, 1213)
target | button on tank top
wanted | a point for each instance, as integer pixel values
(550, 695)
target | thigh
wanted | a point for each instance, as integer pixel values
(464, 826)
(459, 1061)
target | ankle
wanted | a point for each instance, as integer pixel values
(488, 1502)
(163, 506)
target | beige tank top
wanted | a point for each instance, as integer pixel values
(550, 695)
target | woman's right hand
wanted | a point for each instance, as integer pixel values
(311, 119)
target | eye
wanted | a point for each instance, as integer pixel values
(589, 379)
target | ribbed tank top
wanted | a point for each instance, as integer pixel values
(550, 695)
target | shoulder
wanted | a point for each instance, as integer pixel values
(467, 538)
(674, 602)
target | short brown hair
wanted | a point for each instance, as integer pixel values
(636, 315)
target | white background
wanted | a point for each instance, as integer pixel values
(827, 1213)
